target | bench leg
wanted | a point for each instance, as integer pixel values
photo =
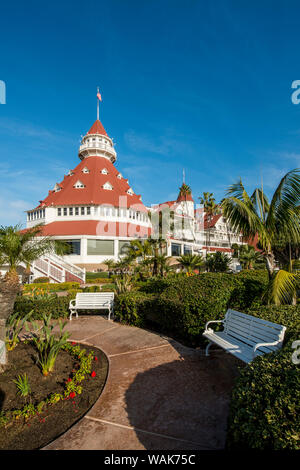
(207, 348)
(72, 312)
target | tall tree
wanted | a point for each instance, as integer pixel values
(210, 208)
(270, 221)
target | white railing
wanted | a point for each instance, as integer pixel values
(56, 268)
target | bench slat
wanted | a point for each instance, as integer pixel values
(242, 332)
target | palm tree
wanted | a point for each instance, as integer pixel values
(191, 262)
(218, 262)
(210, 209)
(18, 247)
(270, 221)
(23, 247)
(248, 256)
(139, 249)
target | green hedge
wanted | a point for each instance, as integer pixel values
(51, 286)
(93, 276)
(265, 402)
(39, 280)
(58, 306)
(181, 306)
(132, 307)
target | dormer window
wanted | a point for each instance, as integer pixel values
(56, 188)
(78, 185)
(104, 171)
(85, 170)
(108, 186)
(119, 176)
(70, 173)
(130, 192)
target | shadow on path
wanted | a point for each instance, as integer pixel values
(187, 399)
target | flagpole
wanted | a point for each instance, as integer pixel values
(97, 104)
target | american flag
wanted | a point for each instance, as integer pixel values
(99, 96)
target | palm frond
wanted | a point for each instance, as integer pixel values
(283, 287)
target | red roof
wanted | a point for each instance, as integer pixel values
(93, 192)
(212, 248)
(185, 197)
(97, 128)
(210, 221)
(95, 227)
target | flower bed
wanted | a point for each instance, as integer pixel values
(55, 402)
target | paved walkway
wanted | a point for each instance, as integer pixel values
(159, 395)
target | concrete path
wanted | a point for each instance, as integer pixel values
(159, 395)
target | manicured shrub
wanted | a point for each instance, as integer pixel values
(265, 405)
(53, 287)
(132, 307)
(38, 280)
(188, 303)
(92, 289)
(100, 275)
(100, 280)
(58, 306)
(265, 402)
(250, 288)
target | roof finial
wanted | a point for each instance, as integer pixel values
(99, 99)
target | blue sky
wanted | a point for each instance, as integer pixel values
(204, 86)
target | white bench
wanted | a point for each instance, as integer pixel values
(245, 336)
(92, 301)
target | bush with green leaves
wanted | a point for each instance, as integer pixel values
(265, 402)
(41, 280)
(51, 286)
(57, 306)
(132, 307)
(265, 405)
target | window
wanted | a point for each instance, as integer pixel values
(65, 211)
(88, 211)
(187, 250)
(73, 247)
(44, 212)
(108, 186)
(123, 245)
(119, 176)
(71, 211)
(100, 247)
(78, 185)
(76, 210)
(85, 170)
(175, 249)
(82, 211)
(130, 191)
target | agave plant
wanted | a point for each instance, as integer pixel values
(123, 284)
(47, 344)
(14, 326)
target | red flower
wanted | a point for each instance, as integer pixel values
(69, 380)
(96, 358)
(72, 395)
(93, 374)
(73, 343)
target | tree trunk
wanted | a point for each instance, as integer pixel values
(9, 288)
(270, 263)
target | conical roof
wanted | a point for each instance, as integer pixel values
(95, 181)
(97, 128)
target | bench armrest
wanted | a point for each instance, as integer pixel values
(71, 304)
(213, 321)
(259, 345)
